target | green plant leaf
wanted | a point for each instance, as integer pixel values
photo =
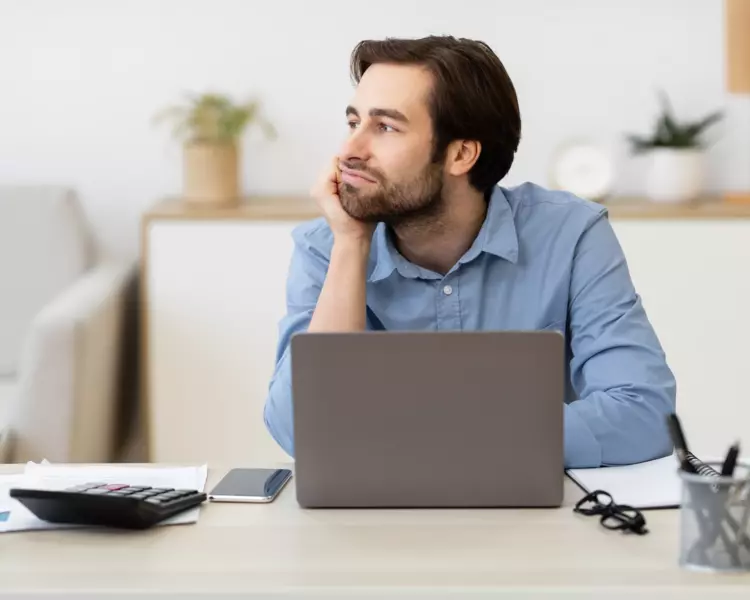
(669, 132)
(212, 117)
(668, 121)
(640, 144)
(698, 128)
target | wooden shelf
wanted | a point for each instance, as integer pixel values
(300, 208)
(729, 207)
(255, 208)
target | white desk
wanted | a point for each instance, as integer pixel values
(279, 550)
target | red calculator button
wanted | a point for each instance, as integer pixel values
(116, 486)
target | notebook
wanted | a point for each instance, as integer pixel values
(647, 485)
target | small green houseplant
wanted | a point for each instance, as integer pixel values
(676, 151)
(210, 127)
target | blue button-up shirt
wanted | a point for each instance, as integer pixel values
(542, 260)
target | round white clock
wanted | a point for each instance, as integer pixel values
(584, 169)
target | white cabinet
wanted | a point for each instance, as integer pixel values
(694, 278)
(215, 291)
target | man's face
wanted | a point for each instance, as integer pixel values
(387, 173)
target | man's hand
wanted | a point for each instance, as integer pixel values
(326, 194)
(341, 304)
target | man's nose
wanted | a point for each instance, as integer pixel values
(356, 146)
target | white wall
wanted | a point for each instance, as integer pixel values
(80, 80)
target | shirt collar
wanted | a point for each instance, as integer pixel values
(497, 236)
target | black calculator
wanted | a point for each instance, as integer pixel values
(108, 504)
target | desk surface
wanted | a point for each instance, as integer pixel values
(261, 550)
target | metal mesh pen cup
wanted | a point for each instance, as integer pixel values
(715, 521)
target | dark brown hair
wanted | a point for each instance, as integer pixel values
(473, 97)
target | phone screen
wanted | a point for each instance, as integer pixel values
(251, 483)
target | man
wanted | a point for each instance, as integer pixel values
(418, 235)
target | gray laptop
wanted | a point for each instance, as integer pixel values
(428, 419)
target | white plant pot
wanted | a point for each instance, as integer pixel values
(674, 175)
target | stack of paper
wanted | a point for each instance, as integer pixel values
(14, 517)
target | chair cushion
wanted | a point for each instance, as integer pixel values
(43, 249)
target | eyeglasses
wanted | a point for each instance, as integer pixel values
(613, 516)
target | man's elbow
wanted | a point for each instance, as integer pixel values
(664, 406)
(651, 439)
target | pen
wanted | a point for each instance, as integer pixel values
(680, 446)
(730, 462)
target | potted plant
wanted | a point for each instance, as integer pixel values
(210, 126)
(676, 152)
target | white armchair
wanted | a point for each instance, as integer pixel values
(61, 332)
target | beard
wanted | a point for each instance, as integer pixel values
(394, 203)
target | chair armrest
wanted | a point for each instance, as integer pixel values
(67, 403)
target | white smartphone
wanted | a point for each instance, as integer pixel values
(250, 485)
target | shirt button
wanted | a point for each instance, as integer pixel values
(448, 290)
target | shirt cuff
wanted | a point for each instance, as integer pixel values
(581, 448)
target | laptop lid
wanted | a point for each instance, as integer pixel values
(428, 419)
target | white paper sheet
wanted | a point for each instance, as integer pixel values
(54, 476)
(651, 484)
(7, 482)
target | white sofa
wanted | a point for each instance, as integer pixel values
(61, 332)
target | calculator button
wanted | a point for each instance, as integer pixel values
(163, 497)
(162, 490)
(122, 494)
(78, 488)
(130, 490)
(98, 491)
(116, 486)
(153, 500)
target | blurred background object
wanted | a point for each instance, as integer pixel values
(584, 169)
(211, 126)
(676, 152)
(63, 384)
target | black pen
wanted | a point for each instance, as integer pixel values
(680, 445)
(730, 462)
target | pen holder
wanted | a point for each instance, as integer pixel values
(715, 521)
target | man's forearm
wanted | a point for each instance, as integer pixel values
(342, 301)
(618, 427)
(339, 307)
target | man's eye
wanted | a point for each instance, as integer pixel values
(386, 128)
(353, 124)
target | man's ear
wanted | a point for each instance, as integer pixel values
(461, 155)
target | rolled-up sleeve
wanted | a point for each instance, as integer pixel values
(618, 368)
(305, 278)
